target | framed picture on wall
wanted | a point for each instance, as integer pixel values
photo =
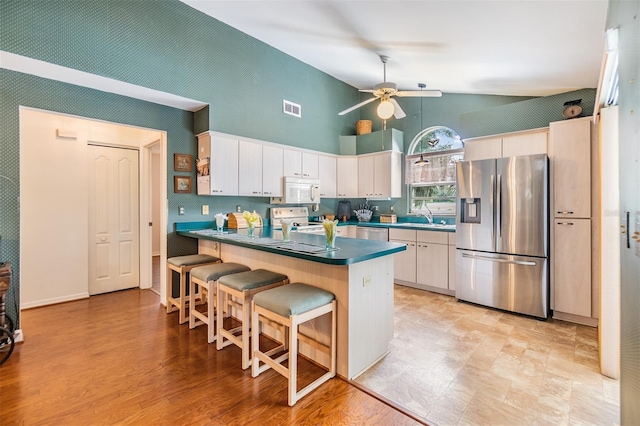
(182, 184)
(182, 162)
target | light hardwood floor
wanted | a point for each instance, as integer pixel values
(454, 363)
(118, 358)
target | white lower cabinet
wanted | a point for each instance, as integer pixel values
(432, 265)
(427, 262)
(348, 231)
(404, 263)
(572, 274)
(452, 261)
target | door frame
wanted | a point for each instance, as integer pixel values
(146, 210)
(101, 132)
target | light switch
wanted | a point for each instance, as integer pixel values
(181, 210)
(367, 280)
(205, 209)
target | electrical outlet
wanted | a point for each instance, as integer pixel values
(205, 209)
(181, 210)
(238, 208)
(392, 208)
(367, 280)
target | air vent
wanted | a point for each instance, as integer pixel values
(291, 108)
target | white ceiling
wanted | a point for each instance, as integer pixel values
(507, 47)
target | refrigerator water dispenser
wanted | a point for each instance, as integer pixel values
(470, 209)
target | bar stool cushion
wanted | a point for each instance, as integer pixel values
(214, 272)
(251, 279)
(192, 259)
(293, 299)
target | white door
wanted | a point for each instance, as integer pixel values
(114, 262)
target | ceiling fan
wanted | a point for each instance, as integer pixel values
(385, 91)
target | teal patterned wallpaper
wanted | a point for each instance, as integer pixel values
(169, 46)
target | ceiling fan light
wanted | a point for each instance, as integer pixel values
(385, 110)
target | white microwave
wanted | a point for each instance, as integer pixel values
(301, 191)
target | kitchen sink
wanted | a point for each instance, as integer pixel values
(429, 225)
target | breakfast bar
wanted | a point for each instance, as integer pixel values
(358, 272)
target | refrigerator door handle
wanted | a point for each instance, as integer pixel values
(499, 206)
(492, 201)
(498, 260)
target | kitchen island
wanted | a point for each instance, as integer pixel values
(359, 273)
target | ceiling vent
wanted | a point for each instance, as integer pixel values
(291, 108)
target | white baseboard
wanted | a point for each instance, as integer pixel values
(54, 300)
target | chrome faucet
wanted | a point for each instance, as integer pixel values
(428, 215)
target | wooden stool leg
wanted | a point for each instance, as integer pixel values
(211, 311)
(192, 301)
(255, 340)
(183, 297)
(246, 327)
(293, 360)
(220, 297)
(168, 289)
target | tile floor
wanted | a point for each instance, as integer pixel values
(454, 363)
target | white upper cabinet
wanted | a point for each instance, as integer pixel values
(507, 145)
(300, 164)
(482, 149)
(222, 152)
(310, 165)
(366, 174)
(347, 177)
(380, 175)
(525, 144)
(327, 174)
(272, 171)
(250, 169)
(292, 162)
(570, 161)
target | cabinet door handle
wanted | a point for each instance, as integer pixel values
(565, 223)
(565, 212)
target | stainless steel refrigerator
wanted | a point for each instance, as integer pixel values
(502, 230)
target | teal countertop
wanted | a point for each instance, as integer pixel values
(349, 250)
(404, 225)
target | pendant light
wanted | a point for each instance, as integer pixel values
(422, 160)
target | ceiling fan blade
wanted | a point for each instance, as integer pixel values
(398, 113)
(357, 106)
(367, 90)
(419, 93)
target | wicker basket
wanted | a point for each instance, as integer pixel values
(363, 127)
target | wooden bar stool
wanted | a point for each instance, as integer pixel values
(183, 265)
(206, 277)
(237, 291)
(290, 306)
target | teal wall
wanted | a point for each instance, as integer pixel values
(168, 46)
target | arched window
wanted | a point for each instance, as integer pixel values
(430, 172)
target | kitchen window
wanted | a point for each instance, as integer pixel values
(430, 171)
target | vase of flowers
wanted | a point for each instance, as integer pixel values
(252, 220)
(220, 218)
(330, 228)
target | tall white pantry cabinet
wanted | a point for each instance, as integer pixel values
(570, 155)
